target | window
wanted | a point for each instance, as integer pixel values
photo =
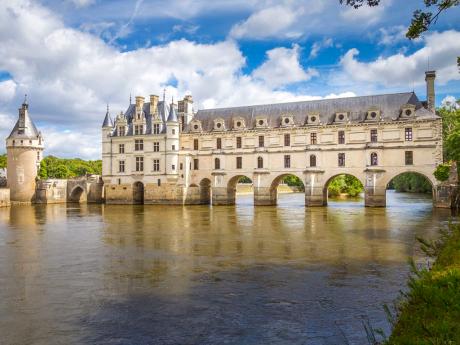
(138, 145)
(287, 140)
(261, 141)
(173, 147)
(38, 156)
(156, 165)
(216, 163)
(181, 166)
(313, 140)
(119, 181)
(121, 166)
(219, 143)
(121, 131)
(312, 160)
(173, 167)
(238, 142)
(196, 164)
(138, 129)
(374, 159)
(156, 128)
(139, 163)
(239, 162)
(341, 137)
(408, 134)
(195, 144)
(260, 162)
(121, 148)
(159, 182)
(287, 161)
(409, 157)
(156, 146)
(173, 131)
(341, 159)
(373, 135)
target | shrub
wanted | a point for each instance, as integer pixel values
(442, 172)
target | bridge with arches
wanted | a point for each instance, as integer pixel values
(219, 187)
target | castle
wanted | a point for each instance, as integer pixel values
(160, 153)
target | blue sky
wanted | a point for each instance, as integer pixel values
(73, 56)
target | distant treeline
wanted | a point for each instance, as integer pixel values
(53, 167)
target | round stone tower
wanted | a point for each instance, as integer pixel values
(24, 148)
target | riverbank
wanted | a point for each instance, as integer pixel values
(430, 312)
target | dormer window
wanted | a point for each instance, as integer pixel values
(196, 126)
(373, 115)
(313, 119)
(341, 117)
(407, 111)
(261, 122)
(239, 123)
(287, 121)
(121, 131)
(219, 125)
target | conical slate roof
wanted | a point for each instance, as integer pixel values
(24, 127)
(172, 117)
(107, 119)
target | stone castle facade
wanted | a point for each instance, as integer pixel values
(157, 152)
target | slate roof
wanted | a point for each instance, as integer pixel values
(163, 112)
(357, 108)
(107, 120)
(30, 131)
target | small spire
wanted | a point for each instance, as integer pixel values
(107, 108)
(25, 98)
(172, 99)
(130, 98)
(164, 94)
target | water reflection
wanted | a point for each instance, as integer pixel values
(196, 275)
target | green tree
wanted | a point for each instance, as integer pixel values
(3, 161)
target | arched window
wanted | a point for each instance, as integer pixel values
(260, 162)
(374, 159)
(312, 160)
(216, 163)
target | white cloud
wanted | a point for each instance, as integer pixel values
(365, 15)
(268, 22)
(440, 50)
(82, 3)
(317, 46)
(392, 35)
(282, 67)
(450, 102)
(7, 90)
(70, 75)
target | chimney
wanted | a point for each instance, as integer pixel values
(430, 94)
(154, 104)
(139, 103)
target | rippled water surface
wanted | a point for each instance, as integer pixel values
(95, 274)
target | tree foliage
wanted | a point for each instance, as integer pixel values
(345, 184)
(410, 182)
(3, 161)
(53, 167)
(442, 172)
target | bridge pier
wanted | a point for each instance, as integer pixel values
(220, 196)
(263, 196)
(375, 197)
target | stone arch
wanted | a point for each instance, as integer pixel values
(205, 191)
(329, 179)
(231, 187)
(387, 180)
(275, 183)
(77, 194)
(138, 192)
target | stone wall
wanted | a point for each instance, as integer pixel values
(51, 191)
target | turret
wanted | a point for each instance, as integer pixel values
(430, 76)
(24, 148)
(172, 141)
(107, 130)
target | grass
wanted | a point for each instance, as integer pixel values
(429, 313)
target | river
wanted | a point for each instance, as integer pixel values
(97, 274)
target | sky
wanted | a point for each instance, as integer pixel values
(73, 57)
